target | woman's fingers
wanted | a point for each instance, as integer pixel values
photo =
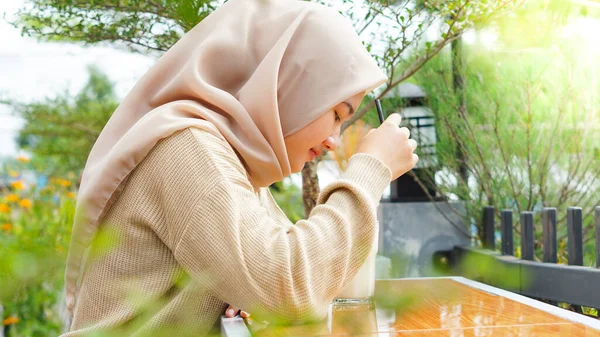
(413, 144)
(394, 119)
(405, 131)
(232, 311)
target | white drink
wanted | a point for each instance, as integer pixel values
(363, 284)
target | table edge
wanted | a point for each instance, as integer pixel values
(231, 326)
(556, 311)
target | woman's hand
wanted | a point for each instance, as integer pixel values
(391, 144)
(232, 311)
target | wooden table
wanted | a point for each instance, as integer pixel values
(452, 307)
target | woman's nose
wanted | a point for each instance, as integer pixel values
(331, 143)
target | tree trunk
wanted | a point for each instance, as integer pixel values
(458, 82)
(310, 186)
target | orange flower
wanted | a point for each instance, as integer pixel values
(12, 198)
(13, 174)
(4, 208)
(23, 159)
(11, 320)
(6, 227)
(18, 185)
(71, 195)
(25, 203)
(62, 182)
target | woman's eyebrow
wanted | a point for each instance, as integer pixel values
(349, 107)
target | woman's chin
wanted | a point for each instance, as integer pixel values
(297, 168)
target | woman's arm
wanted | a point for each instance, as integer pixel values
(233, 244)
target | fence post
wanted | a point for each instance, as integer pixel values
(506, 221)
(575, 235)
(488, 228)
(527, 236)
(549, 222)
(597, 216)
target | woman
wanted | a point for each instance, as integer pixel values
(174, 218)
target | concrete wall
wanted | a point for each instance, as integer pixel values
(410, 234)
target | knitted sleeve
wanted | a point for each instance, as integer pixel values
(234, 245)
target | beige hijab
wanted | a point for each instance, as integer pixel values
(257, 70)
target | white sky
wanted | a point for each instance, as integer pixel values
(31, 70)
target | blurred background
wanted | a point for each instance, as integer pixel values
(503, 97)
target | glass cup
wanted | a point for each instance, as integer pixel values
(361, 289)
(353, 318)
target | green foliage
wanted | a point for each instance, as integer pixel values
(140, 24)
(540, 18)
(60, 132)
(404, 35)
(530, 131)
(35, 228)
(397, 33)
(289, 198)
(490, 270)
(36, 221)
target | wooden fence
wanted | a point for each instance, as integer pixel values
(546, 279)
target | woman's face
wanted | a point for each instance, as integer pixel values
(320, 135)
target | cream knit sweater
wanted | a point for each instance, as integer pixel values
(190, 233)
